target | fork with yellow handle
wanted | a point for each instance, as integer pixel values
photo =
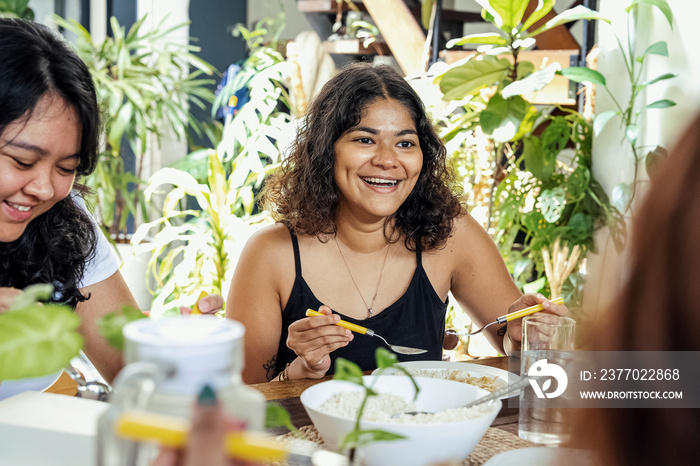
(195, 308)
(366, 331)
(255, 447)
(508, 317)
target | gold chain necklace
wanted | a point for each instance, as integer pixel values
(370, 308)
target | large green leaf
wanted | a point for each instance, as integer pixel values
(532, 83)
(573, 14)
(555, 136)
(472, 76)
(543, 7)
(501, 118)
(37, 340)
(119, 125)
(657, 48)
(578, 182)
(621, 195)
(32, 294)
(358, 438)
(535, 286)
(510, 11)
(539, 162)
(663, 103)
(654, 160)
(111, 325)
(601, 120)
(348, 370)
(426, 11)
(277, 416)
(663, 77)
(488, 38)
(581, 74)
(660, 4)
(490, 14)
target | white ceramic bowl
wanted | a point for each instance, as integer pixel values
(425, 444)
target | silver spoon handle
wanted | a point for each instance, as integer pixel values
(495, 395)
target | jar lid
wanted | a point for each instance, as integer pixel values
(201, 348)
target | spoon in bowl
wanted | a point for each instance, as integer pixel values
(366, 331)
(493, 396)
(506, 318)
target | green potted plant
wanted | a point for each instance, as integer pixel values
(536, 197)
(145, 86)
(629, 112)
(195, 248)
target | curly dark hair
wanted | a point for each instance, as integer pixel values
(303, 193)
(55, 246)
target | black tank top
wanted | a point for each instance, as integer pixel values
(416, 319)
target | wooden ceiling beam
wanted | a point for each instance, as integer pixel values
(400, 31)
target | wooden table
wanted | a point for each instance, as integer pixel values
(287, 394)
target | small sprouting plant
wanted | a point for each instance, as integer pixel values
(351, 372)
(277, 416)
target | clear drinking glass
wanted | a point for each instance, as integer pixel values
(547, 346)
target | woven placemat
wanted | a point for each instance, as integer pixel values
(493, 442)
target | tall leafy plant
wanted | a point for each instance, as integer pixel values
(629, 112)
(146, 89)
(195, 245)
(192, 248)
(541, 191)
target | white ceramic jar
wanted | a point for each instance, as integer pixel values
(168, 361)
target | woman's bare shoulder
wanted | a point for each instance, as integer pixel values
(468, 237)
(269, 242)
(466, 227)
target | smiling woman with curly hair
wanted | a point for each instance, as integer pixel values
(303, 192)
(369, 226)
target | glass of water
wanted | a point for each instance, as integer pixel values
(547, 358)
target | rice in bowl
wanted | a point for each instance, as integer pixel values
(424, 443)
(392, 409)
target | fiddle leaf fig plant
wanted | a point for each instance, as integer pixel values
(37, 339)
(537, 182)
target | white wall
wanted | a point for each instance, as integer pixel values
(612, 160)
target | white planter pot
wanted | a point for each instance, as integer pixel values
(133, 269)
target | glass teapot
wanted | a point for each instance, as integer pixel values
(168, 361)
